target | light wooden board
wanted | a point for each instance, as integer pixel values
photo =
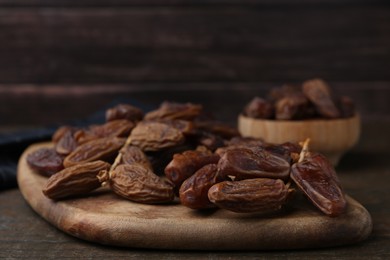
(105, 218)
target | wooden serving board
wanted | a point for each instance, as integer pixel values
(105, 218)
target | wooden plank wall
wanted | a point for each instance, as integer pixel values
(87, 42)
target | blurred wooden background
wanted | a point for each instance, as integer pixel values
(58, 54)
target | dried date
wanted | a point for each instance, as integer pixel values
(193, 192)
(259, 108)
(115, 128)
(79, 179)
(319, 93)
(124, 111)
(137, 183)
(132, 154)
(172, 110)
(316, 177)
(104, 149)
(155, 136)
(251, 195)
(246, 163)
(66, 143)
(60, 132)
(45, 161)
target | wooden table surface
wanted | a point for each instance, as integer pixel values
(364, 173)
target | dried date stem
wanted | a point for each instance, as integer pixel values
(305, 150)
(104, 175)
(119, 156)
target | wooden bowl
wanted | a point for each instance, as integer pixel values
(331, 137)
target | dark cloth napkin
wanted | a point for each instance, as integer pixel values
(12, 145)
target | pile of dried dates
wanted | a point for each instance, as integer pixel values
(177, 153)
(314, 99)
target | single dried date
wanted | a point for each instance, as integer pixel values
(172, 110)
(100, 149)
(259, 108)
(45, 161)
(65, 143)
(194, 190)
(251, 195)
(246, 163)
(115, 128)
(319, 93)
(132, 154)
(61, 131)
(155, 136)
(316, 177)
(79, 179)
(124, 111)
(137, 183)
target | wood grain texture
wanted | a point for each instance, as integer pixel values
(108, 219)
(35, 105)
(94, 3)
(240, 42)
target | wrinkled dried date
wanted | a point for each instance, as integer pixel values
(319, 93)
(76, 180)
(172, 110)
(259, 108)
(185, 127)
(251, 195)
(137, 183)
(100, 149)
(66, 143)
(194, 190)
(316, 177)
(132, 154)
(60, 132)
(124, 111)
(154, 136)
(245, 163)
(46, 161)
(186, 164)
(115, 128)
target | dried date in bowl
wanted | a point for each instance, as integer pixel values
(331, 137)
